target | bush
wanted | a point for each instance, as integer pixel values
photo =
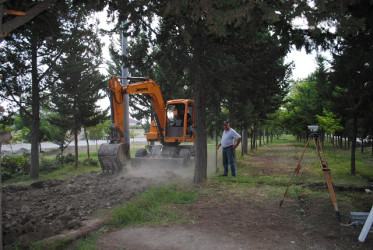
(5, 175)
(15, 165)
(63, 159)
(49, 165)
(90, 162)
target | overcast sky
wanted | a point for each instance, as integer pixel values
(304, 64)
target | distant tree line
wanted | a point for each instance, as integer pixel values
(340, 99)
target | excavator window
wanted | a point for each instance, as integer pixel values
(175, 115)
(175, 120)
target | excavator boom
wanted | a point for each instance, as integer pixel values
(146, 87)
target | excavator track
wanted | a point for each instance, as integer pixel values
(164, 157)
(165, 163)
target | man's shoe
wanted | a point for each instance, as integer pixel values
(233, 176)
(223, 175)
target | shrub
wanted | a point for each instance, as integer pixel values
(63, 159)
(5, 175)
(90, 162)
(49, 165)
(15, 165)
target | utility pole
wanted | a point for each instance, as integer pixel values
(126, 132)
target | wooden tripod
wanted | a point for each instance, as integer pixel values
(324, 167)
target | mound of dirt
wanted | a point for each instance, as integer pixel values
(46, 208)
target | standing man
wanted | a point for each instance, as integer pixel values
(229, 147)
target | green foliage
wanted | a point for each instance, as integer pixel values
(65, 159)
(13, 166)
(74, 99)
(56, 168)
(16, 166)
(133, 133)
(51, 245)
(49, 165)
(6, 119)
(5, 129)
(100, 131)
(307, 100)
(62, 135)
(329, 123)
(90, 162)
(22, 127)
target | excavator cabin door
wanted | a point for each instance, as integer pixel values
(179, 121)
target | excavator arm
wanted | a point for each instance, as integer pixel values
(147, 87)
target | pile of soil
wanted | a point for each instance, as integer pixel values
(47, 208)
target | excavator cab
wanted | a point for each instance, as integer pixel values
(179, 121)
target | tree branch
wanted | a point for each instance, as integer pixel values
(30, 14)
(50, 68)
(19, 103)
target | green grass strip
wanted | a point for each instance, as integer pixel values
(148, 207)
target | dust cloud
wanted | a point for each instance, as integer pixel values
(164, 173)
(168, 172)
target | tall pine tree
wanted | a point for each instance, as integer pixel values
(78, 89)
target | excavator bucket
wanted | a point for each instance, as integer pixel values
(112, 157)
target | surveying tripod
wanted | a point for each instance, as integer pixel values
(324, 167)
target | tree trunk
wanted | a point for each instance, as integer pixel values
(216, 150)
(3, 138)
(271, 136)
(200, 170)
(76, 143)
(1, 210)
(61, 149)
(86, 138)
(267, 136)
(345, 141)
(35, 119)
(260, 138)
(244, 140)
(362, 145)
(254, 137)
(340, 141)
(353, 145)
(251, 140)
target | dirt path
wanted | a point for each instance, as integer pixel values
(224, 218)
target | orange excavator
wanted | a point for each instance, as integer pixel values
(173, 125)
